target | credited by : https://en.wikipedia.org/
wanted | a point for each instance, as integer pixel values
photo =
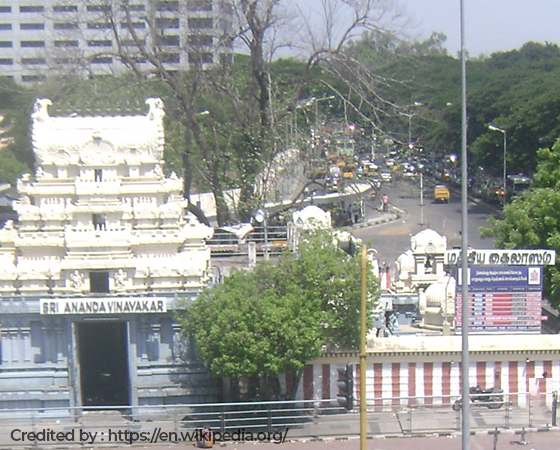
(155, 436)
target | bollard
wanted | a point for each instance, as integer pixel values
(554, 407)
(523, 441)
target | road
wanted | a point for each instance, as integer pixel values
(393, 238)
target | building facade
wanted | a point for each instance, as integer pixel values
(102, 255)
(94, 37)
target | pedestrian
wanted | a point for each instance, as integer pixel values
(385, 203)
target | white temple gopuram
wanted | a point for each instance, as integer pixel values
(102, 254)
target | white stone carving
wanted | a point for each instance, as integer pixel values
(156, 110)
(77, 281)
(40, 109)
(120, 279)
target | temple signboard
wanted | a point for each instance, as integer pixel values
(501, 257)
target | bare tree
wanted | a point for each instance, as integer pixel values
(190, 47)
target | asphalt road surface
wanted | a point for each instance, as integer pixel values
(393, 238)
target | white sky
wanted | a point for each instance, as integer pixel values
(490, 25)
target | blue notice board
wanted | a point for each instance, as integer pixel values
(502, 299)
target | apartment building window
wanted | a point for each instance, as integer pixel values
(98, 25)
(167, 6)
(33, 61)
(32, 44)
(6, 44)
(98, 8)
(133, 8)
(65, 8)
(200, 40)
(65, 25)
(100, 43)
(201, 22)
(5, 9)
(199, 5)
(170, 58)
(31, 26)
(6, 62)
(32, 78)
(167, 23)
(31, 8)
(102, 60)
(169, 41)
(132, 42)
(66, 43)
(135, 25)
(201, 58)
(5, 26)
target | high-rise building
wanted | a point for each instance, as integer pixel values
(96, 37)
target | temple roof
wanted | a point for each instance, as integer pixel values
(96, 139)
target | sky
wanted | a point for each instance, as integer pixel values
(490, 25)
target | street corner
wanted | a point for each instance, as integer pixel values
(386, 217)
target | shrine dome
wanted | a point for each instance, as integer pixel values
(428, 241)
(441, 291)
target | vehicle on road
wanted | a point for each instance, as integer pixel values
(386, 176)
(492, 398)
(441, 193)
(516, 185)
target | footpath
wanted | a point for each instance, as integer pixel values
(536, 440)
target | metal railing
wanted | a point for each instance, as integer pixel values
(226, 243)
(398, 416)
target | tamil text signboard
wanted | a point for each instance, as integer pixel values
(502, 299)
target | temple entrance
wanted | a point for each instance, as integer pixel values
(103, 359)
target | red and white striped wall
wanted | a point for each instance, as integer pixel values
(392, 384)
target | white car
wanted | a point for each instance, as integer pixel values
(386, 176)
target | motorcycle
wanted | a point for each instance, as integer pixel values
(492, 398)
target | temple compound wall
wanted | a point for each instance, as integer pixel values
(404, 371)
(102, 255)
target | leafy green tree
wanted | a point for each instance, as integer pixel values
(533, 220)
(277, 318)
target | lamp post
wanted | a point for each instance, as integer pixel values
(422, 196)
(363, 354)
(409, 115)
(503, 131)
(316, 128)
(261, 216)
(465, 310)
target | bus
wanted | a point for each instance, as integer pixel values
(516, 185)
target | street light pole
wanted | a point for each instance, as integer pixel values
(422, 197)
(409, 115)
(261, 217)
(503, 131)
(465, 306)
(363, 354)
(315, 133)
